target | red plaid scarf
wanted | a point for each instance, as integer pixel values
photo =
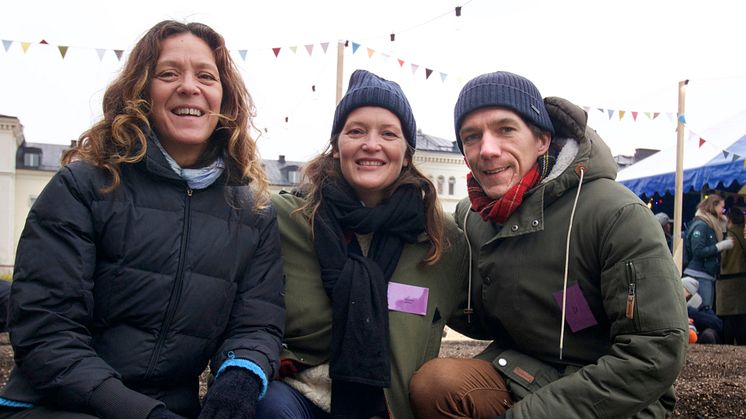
(498, 210)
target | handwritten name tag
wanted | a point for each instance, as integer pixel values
(408, 298)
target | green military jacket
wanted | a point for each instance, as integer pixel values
(414, 339)
(624, 339)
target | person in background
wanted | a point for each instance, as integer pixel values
(733, 264)
(708, 325)
(704, 241)
(666, 225)
(152, 251)
(572, 280)
(373, 268)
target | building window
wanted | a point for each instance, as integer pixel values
(292, 176)
(451, 185)
(31, 159)
(441, 181)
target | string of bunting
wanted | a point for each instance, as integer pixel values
(727, 154)
(634, 114)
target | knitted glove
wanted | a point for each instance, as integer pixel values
(161, 412)
(724, 244)
(232, 396)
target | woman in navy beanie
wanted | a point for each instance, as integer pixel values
(372, 266)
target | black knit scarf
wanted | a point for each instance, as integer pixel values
(359, 364)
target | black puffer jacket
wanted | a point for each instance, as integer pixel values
(143, 285)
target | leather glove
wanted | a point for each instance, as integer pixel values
(161, 412)
(233, 395)
(724, 244)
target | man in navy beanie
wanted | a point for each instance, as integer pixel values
(571, 277)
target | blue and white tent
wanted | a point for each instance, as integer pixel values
(717, 163)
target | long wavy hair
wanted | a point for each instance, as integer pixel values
(325, 167)
(120, 137)
(708, 205)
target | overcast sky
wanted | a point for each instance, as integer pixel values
(625, 56)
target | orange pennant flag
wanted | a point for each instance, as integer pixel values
(276, 51)
(63, 50)
(371, 52)
(634, 116)
(25, 46)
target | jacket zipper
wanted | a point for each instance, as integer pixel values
(176, 289)
(631, 291)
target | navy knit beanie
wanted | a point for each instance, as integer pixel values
(505, 90)
(367, 89)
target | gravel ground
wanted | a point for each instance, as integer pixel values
(711, 385)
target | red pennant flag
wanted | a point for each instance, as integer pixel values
(44, 42)
(701, 141)
(428, 72)
(118, 53)
(634, 116)
(401, 62)
(276, 51)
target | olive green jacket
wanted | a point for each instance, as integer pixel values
(414, 339)
(629, 341)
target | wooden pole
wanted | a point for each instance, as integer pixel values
(340, 68)
(679, 190)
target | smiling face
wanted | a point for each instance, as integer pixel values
(500, 148)
(372, 152)
(186, 94)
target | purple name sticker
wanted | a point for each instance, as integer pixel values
(408, 298)
(577, 312)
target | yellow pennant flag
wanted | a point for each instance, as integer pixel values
(63, 51)
(25, 46)
(621, 114)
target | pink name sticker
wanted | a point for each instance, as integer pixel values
(408, 298)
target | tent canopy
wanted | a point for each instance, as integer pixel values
(717, 157)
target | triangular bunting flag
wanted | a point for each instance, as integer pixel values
(601, 110)
(401, 62)
(443, 77)
(371, 52)
(682, 119)
(634, 116)
(242, 53)
(355, 46)
(44, 42)
(25, 45)
(735, 157)
(611, 113)
(414, 68)
(621, 114)
(324, 46)
(649, 115)
(118, 53)
(63, 50)
(655, 114)
(7, 44)
(100, 52)
(428, 72)
(276, 51)
(725, 154)
(309, 48)
(701, 141)
(294, 49)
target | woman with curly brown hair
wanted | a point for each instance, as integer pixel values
(160, 251)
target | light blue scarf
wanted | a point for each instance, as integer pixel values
(195, 178)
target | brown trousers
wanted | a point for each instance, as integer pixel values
(457, 388)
